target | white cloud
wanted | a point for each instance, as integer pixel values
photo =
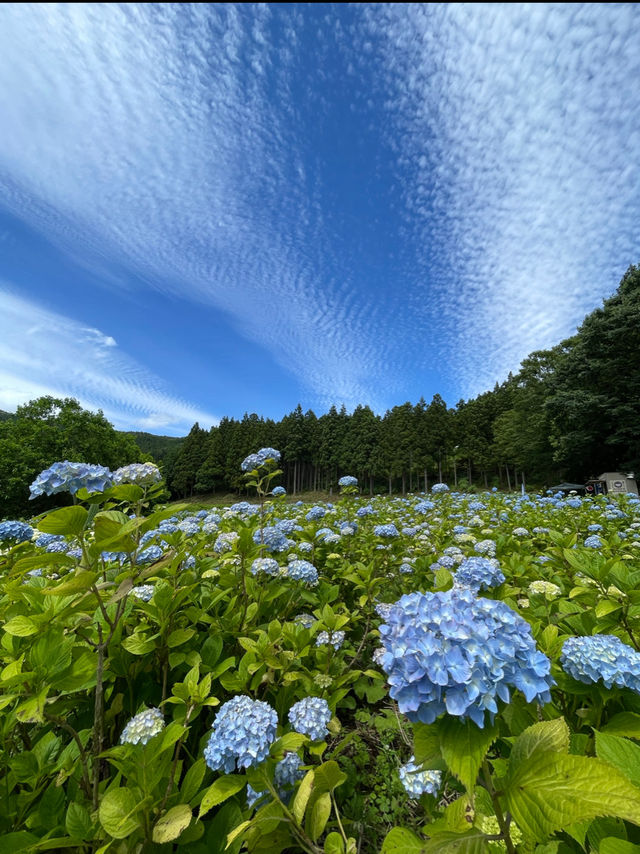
(44, 353)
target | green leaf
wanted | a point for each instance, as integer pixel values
(464, 745)
(471, 842)
(290, 742)
(621, 753)
(66, 520)
(318, 815)
(193, 780)
(78, 582)
(117, 813)
(399, 840)
(21, 627)
(42, 560)
(32, 710)
(139, 644)
(547, 735)
(171, 825)
(334, 844)
(328, 777)
(223, 788)
(302, 796)
(624, 723)
(606, 606)
(613, 845)
(426, 744)
(180, 636)
(551, 790)
(78, 821)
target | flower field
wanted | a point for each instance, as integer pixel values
(440, 672)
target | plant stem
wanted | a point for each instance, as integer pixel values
(495, 800)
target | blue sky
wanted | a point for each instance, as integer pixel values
(207, 210)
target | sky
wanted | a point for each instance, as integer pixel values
(213, 209)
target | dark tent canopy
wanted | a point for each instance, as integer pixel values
(568, 487)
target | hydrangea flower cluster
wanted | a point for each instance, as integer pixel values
(593, 542)
(142, 727)
(143, 592)
(315, 513)
(418, 782)
(70, 477)
(335, 639)
(287, 773)
(457, 653)
(254, 461)
(302, 570)
(386, 531)
(277, 491)
(348, 480)
(46, 539)
(485, 547)
(520, 532)
(310, 717)
(224, 542)
(478, 573)
(150, 555)
(19, 532)
(265, 564)
(142, 474)
(305, 620)
(242, 733)
(546, 588)
(602, 658)
(439, 488)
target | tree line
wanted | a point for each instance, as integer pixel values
(570, 412)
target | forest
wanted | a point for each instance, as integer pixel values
(570, 412)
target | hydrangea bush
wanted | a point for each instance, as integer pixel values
(420, 673)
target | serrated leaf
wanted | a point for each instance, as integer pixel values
(77, 821)
(624, 723)
(464, 745)
(78, 582)
(235, 833)
(546, 735)
(334, 844)
(328, 777)
(426, 744)
(66, 520)
(171, 825)
(399, 840)
(613, 845)
(193, 780)
(180, 636)
(223, 788)
(117, 813)
(21, 627)
(302, 796)
(552, 790)
(621, 753)
(318, 816)
(606, 606)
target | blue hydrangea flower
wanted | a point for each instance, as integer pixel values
(288, 526)
(367, 510)
(485, 547)
(150, 555)
(254, 461)
(593, 542)
(457, 653)
(143, 592)
(272, 538)
(59, 546)
(316, 513)
(265, 564)
(439, 488)
(520, 532)
(310, 717)
(383, 609)
(446, 561)
(387, 531)
(306, 620)
(142, 727)
(348, 480)
(336, 639)
(167, 527)
(19, 532)
(418, 782)
(113, 556)
(286, 775)
(302, 570)
(478, 573)
(594, 528)
(189, 562)
(142, 474)
(46, 539)
(75, 552)
(602, 658)
(224, 542)
(188, 526)
(424, 506)
(278, 490)
(70, 477)
(242, 733)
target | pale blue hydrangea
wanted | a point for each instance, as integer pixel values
(485, 547)
(286, 774)
(150, 555)
(594, 528)
(254, 461)
(348, 480)
(310, 717)
(114, 556)
(305, 547)
(409, 531)
(305, 620)
(367, 510)
(593, 542)
(142, 727)
(272, 538)
(244, 508)
(202, 514)
(70, 477)
(288, 526)
(167, 527)
(17, 532)
(424, 506)
(350, 524)
(316, 513)
(242, 733)
(189, 562)
(266, 565)
(142, 474)
(406, 567)
(439, 488)
(383, 609)
(446, 561)
(225, 542)
(335, 639)
(44, 540)
(143, 592)
(189, 527)
(457, 653)
(387, 531)
(378, 655)
(418, 782)
(520, 532)
(602, 658)
(302, 570)
(75, 552)
(478, 573)
(277, 491)
(57, 546)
